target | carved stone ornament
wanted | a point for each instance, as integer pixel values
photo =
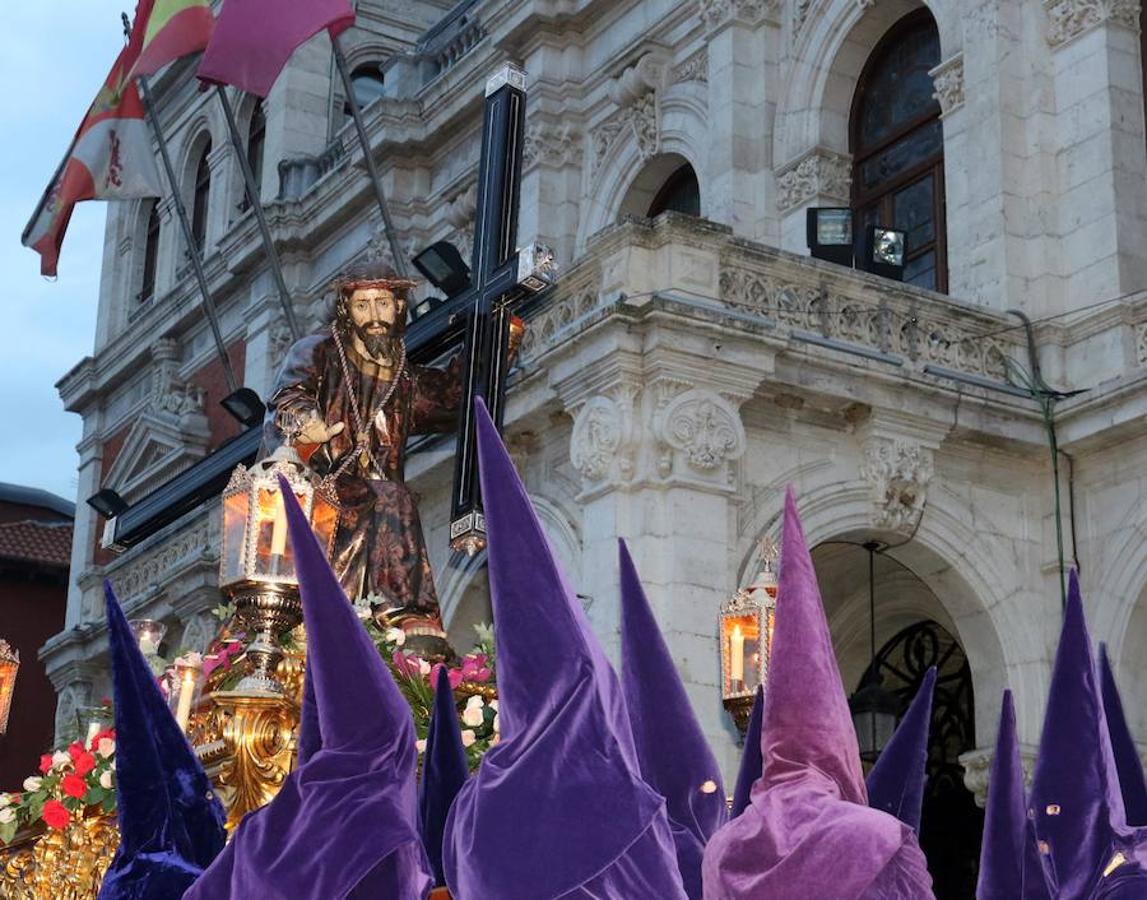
(597, 436)
(703, 428)
(977, 767)
(1068, 19)
(636, 92)
(695, 68)
(554, 144)
(898, 472)
(715, 13)
(948, 78)
(1141, 344)
(819, 173)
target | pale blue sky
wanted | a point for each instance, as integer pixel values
(53, 59)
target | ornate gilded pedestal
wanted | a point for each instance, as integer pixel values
(60, 865)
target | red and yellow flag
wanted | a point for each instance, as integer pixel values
(110, 158)
(171, 29)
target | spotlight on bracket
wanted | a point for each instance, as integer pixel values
(829, 230)
(245, 405)
(444, 268)
(107, 503)
(882, 252)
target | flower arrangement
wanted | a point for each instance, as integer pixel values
(72, 781)
(472, 679)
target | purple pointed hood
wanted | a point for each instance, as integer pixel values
(1075, 804)
(170, 822)
(600, 829)
(751, 762)
(1008, 867)
(1127, 763)
(896, 782)
(345, 820)
(444, 771)
(808, 830)
(672, 752)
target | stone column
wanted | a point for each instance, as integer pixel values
(1101, 172)
(738, 185)
(88, 524)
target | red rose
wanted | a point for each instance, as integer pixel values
(45, 763)
(75, 749)
(55, 815)
(73, 786)
(84, 763)
(94, 743)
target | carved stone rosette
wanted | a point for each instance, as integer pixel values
(898, 472)
(702, 429)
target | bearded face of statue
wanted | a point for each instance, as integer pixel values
(378, 320)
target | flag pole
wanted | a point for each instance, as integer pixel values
(372, 170)
(209, 307)
(252, 190)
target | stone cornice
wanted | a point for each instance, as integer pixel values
(1068, 19)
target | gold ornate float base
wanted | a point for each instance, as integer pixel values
(60, 865)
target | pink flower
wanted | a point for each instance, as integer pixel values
(407, 665)
(453, 675)
(474, 668)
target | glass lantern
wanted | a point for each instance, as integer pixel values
(257, 566)
(747, 621)
(9, 666)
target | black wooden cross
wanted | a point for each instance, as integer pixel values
(500, 275)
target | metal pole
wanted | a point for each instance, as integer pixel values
(368, 158)
(209, 307)
(257, 205)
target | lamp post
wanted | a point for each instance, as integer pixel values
(746, 621)
(873, 709)
(257, 569)
(9, 666)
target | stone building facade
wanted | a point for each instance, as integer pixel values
(693, 359)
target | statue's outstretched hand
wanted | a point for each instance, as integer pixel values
(316, 431)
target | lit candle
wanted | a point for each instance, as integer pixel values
(186, 693)
(279, 533)
(93, 730)
(736, 655)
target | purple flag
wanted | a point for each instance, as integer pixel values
(558, 807)
(253, 39)
(896, 782)
(344, 822)
(674, 756)
(808, 830)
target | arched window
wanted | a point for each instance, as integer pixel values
(200, 198)
(150, 254)
(680, 193)
(367, 81)
(898, 147)
(256, 139)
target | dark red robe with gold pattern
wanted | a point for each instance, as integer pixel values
(378, 546)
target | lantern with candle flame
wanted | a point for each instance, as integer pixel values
(9, 666)
(258, 567)
(747, 620)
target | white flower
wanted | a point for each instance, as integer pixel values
(60, 758)
(106, 747)
(497, 727)
(494, 704)
(472, 716)
(362, 608)
(468, 737)
(420, 746)
(7, 815)
(474, 700)
(423, 667)
(396, 636)
(32, 783)
(106, 779)
(5, 800)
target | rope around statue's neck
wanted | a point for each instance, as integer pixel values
(362, 433)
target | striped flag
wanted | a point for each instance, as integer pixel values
(171, 29)
(253, 39)
(110, 158)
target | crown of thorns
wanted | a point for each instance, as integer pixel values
(368, 277)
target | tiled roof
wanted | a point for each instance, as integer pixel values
(45, 543)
